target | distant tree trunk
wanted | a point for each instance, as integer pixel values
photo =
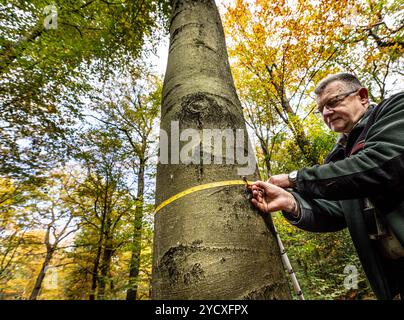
(303, 142)
(266, 152)
(105, 264)
(96, 264)
(210, 244)
(38, 283)
(49, 254)
(293, 122)
(94, 271)
(267, 157)
(137, 234)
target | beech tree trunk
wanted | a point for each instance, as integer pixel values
(211, 244)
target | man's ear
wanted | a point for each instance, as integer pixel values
(364, 95)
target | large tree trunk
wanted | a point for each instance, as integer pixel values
(137, 235)
(210, 244)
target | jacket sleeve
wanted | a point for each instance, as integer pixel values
(378, 169)
(317, 215)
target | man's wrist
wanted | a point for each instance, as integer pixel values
(292, 177)
(294, 207)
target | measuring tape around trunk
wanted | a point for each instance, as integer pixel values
(285, 259)
(202, 187)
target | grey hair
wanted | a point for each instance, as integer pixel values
(350, 81)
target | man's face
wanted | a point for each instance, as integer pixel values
(347, 111)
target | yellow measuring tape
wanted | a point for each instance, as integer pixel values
(202, 187)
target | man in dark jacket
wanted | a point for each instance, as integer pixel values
(360, 186)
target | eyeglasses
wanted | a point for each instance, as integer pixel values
(334, 101)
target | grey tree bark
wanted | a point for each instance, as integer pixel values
(211, 244)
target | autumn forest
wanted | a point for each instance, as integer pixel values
(84, 102)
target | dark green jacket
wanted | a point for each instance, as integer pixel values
(370, 165)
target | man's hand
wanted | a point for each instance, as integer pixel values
(280, 180)
(270, 198)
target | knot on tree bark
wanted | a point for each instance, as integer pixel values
(203, 108)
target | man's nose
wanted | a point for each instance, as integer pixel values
(327, 112)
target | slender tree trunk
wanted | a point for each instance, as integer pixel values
(211, 244)
(94, 273)
(267, 154)
(296, 126)
(137, 235)
(105, 265)
(294, 123)
(303, 142)
(50, 249)
(39, 280)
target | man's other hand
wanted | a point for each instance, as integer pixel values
(280, 180)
